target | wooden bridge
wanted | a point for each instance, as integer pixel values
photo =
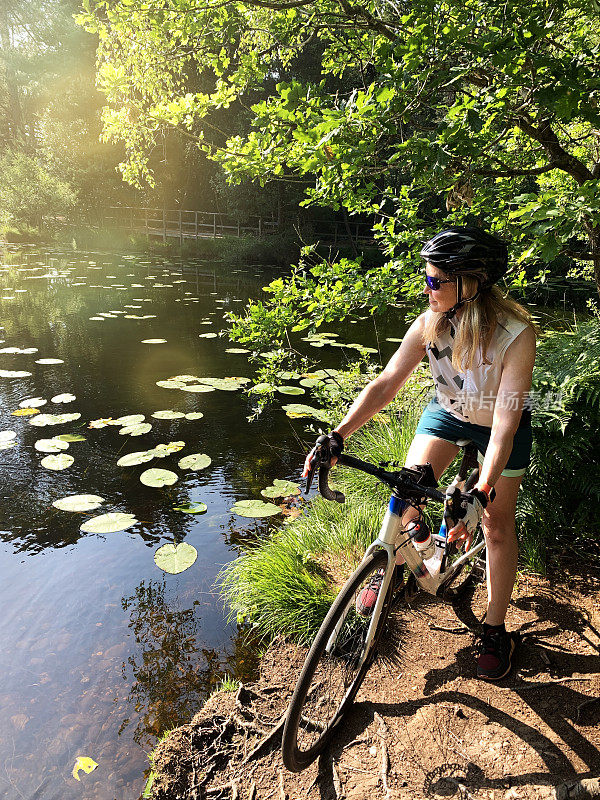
(185, 225)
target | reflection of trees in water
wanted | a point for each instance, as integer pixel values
(173, 674)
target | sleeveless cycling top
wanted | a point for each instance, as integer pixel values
(471, 396)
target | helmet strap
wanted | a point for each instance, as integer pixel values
(459, 299)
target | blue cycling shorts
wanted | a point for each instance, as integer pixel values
(436, 421)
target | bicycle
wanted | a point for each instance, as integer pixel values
(346, 644)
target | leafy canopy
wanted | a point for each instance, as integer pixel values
(425, 114)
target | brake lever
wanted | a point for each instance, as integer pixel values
(311, 475)
(316, 462)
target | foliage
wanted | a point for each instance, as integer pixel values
(561, 490)
(28, 190)
(480, 111)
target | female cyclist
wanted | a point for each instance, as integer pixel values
(481, 349)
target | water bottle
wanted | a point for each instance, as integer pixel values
(421, 537)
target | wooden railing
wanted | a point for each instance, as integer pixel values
(182, 224)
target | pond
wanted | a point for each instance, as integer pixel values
(102, 651)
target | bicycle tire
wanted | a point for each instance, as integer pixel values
(312, 715)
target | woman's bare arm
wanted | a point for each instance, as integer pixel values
(382, 390)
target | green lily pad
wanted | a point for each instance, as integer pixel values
(281, 488)
(168, 414)
(41, 420)
(136, 430)
(255, 508)
(310, 383)
(262, 388)
(185, 378)
(207, 335)
(78, 502)
(290, 390)
(130, 419)
(133, 459)
(194, 415)
(7, 445)
(393, 339)
(237, 350)
(288, 376)
(57, 462)
(7, 436)
(197, 388)
(192, 508)
(109, 523)
(71, 437)
(50, 445)
(171, 384)
(63, 398)
(175, 558)
(163, 450)
(33, 402)
(195, 462)
(49, 361)
(298, 410)
(154, 341)
(14, 373)
(158, 478)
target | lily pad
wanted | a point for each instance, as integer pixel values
(41, 420)
(298, 410)
(237, 350)
(63, 398)
(281, 488)
(195, 462)
(171, 384)
(24, 412)
(57, 462)
(207, 335)
(168, 414)
(175, 558)
(7, 445)
(7, 436)
(310, 383)
(290, 390)
(158, 478)
(194, 415)
(197, 388)
(133, 459)
(154, 341)
(136, 430)
(51, 445)
(129, 419)
(33, 402)
(255, 508)
(109, 523)
(71, 437)
(14, 373)
(163, 450)
(192, 508)
(49, 361)
(393, 339)
(78, 502)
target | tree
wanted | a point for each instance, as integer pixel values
(426, 114)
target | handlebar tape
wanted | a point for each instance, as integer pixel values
(326, 491)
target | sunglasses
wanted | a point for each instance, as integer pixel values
(436, 283)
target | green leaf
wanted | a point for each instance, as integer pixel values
(195, 462)
(192, 508)
(175, 558)
(255, 508)
(78, 502)
(109, 523)
(158, 478)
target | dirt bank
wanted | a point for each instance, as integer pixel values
(423, 726)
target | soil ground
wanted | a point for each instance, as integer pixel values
(422, 714)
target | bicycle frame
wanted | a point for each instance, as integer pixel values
(391, 530)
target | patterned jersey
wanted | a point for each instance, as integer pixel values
(471, 396)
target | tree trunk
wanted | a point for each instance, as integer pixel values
(594, 236)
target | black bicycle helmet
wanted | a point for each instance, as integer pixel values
(471, 251)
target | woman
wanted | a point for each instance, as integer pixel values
(481, 349)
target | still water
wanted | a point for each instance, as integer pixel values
(101, 650)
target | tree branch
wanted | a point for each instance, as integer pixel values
(374, 24)
(558, 155)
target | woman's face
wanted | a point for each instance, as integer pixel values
(444, 298)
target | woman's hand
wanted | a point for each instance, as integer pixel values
(332, 446)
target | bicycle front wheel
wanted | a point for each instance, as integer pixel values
(329, 681)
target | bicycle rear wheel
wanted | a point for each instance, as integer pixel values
(470, 574)
(329, 682)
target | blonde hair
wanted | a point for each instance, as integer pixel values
(476, 324)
